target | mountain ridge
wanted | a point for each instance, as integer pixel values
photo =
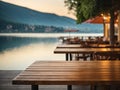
(23, 15)
(27, 16)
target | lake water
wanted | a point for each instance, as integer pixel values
(17, 51)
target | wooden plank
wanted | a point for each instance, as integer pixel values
(70, 73)
(89, 46)
(69, 46)
(86, 50)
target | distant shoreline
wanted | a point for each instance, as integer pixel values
(55, 35)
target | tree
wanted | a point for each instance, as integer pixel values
(111, 7)
(85, 9)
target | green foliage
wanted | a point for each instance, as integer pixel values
(86, 9)
(83, 8)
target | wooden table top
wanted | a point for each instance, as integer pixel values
(70, 73)
(80, 46)
(68, 46)
(86, 50)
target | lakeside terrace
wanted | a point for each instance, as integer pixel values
(95, 48)
(36, 80)
(43, 86)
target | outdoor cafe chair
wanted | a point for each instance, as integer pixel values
(106, 56)
(83, 57)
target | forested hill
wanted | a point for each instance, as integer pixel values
(21, 19)
(24, 15)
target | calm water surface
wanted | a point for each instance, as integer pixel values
(17, 51)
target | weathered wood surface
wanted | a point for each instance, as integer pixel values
(70, 73)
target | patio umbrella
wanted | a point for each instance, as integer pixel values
(96, 20)
(101, 20)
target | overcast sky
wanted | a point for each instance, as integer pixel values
(50, 6)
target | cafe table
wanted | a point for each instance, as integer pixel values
(68, 46)
(68, 51)
(69, 73)
(83, 46)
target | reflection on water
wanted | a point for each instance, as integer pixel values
(12, 42)
(17, 52)
(20, 58)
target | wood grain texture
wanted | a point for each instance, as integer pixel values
(82, 46)
(70, 73)
(86, 50)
